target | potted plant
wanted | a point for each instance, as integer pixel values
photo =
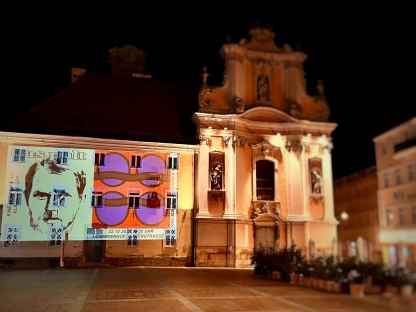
(258, 259)
(357, 276)
(306, 271)
(295, 266)
(404, 283)
(377, 278)
(333, 275)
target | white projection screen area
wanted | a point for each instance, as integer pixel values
(47, 194)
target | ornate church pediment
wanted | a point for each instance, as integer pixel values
(267, 114)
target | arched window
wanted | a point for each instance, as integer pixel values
(265, 180)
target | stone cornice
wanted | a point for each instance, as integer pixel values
(290, 125)
(297, 218)
(91, 143)
(396, 130)
(235, 51)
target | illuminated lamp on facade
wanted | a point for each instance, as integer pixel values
(344, 215)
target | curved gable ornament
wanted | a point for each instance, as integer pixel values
(264, 149)
(267, 114)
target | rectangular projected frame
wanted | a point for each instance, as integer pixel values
(51, 192)
(47, 192)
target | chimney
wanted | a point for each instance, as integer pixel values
(127, 61)
(77, 73)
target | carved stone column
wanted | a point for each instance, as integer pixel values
(305, 176)
(203, 163)
(305, 189)
(230, 185)
(328, 191)
(294, 177)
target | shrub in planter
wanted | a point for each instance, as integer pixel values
(403, 282)
(259, 260)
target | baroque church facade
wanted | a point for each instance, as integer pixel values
(259, 175)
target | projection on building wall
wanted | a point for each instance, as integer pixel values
(47, 192)
(89, 195)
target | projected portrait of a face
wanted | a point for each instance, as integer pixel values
(53, 195)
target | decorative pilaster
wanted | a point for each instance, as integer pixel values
(227, 139)
(327, 182)
(203, 163)
(294, 176)
(235, 141)
(293, 145)
(230, 183)
(304, 167)
(239, 141)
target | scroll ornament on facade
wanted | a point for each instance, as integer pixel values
(206, 139)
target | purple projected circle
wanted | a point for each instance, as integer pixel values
(115, 162)
(152, 164)
(150, 216)
(112, 215)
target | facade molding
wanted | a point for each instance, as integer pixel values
(87, 142)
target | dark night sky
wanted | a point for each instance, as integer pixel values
(364, 57)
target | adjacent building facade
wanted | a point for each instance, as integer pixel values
(356, 211)
(396, 174)
(259, 175)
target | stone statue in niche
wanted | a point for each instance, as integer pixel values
(239, 105)
(316, 182)
(263, 88)
(216, 177)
